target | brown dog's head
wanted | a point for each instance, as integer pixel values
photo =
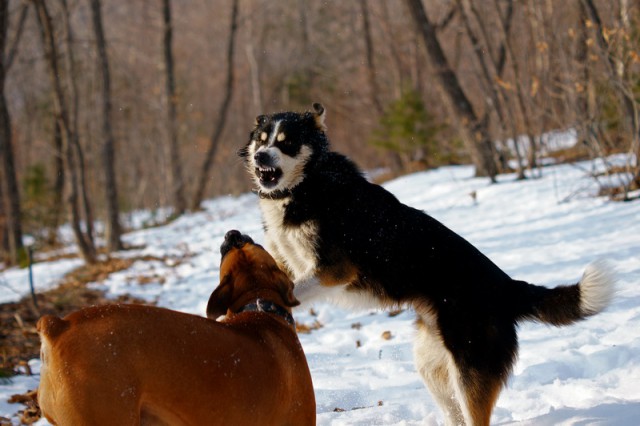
(248, 272)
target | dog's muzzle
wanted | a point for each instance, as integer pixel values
(234, 239)
(265, 169)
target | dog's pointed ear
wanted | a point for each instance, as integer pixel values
(319, 116)
(260, 120)
(221, 298)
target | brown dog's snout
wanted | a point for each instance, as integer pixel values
(234, 239)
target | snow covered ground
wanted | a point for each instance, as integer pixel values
(544, 231)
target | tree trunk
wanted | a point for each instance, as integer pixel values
(394, 157)
(518, 90)
(85, 244)
(113, 228)
(73, 123)
(371, 65)
(394, 49)
(58, 186)
(172, 151)
(629, 105)
(254, 70)
(583, 116)
(222, 114)
(10, 52)
(496, 99)
(503, 107)
(10, 193)
(476, 132)
(4, 241)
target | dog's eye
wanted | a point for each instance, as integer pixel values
(286, 143)
(259, 137)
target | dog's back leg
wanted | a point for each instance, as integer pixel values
(483, 354)
(435, 364)
(465, 393)
(477, 393)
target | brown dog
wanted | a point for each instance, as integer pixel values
(133, 364)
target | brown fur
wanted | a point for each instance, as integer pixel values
(338, 274)
(134, 364)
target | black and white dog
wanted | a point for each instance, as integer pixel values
(348, 240)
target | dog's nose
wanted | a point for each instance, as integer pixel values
(234, 239)
(262, 158)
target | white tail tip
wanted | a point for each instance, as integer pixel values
(597, 287)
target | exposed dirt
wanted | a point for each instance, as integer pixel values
(18, 338)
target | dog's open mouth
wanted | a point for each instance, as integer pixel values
(269, 176)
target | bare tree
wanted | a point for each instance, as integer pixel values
(491, 69)
(172, 151)
(74, 98)
(371, 65)
(615, 72)
(357, 56)
(113, 228)
(11, 50)
(85, 243)
(58, 185)
(519, 91)
(476, 132)
(10, 194)
(393, 45)
(4, 237)
(222, 113)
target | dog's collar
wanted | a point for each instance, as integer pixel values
(273, 195)
(262, 305)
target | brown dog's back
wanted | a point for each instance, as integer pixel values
(153, 363)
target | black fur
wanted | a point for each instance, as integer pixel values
(405, 257)
(403, 254)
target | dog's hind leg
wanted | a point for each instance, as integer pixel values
(477, 393)
(435, 364)
(481, 366)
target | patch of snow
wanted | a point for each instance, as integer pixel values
(543, 230)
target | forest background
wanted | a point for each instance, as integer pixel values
(111, 106)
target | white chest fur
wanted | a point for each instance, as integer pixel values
(294, 246)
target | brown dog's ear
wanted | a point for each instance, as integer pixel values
(286, 291)
(221, 298)
(319, 116)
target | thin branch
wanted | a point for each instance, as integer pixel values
(13, 49)
(222, 114)
(444, 23)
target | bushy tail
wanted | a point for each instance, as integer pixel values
(564, 305)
